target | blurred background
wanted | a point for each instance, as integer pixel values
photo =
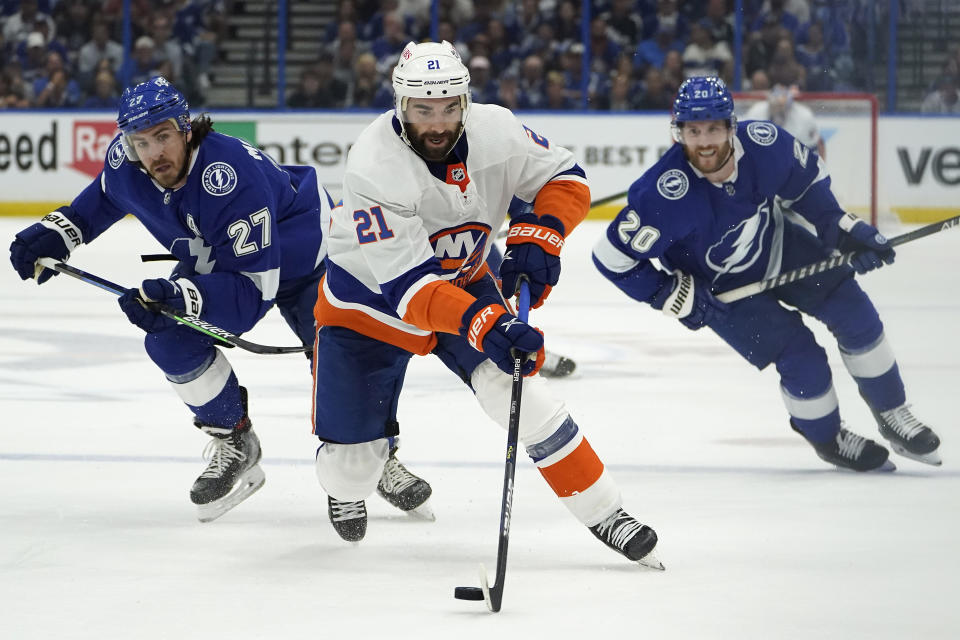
(329, 61)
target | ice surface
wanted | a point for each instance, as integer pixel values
(98, 538)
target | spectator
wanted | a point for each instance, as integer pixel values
(72, 20)
(603, 49)
(666, 17)
(364, 83)
(482, 87)
(784, 68)
(483, 11)
(780, 15)
(105, 93)
(508, 92)
(761, 44)
(567, 23)
(945, 99)
(759, 81)
(345, 51)
(34, 57)
(55, 89)
(164, 47)
(22, 23)
(620, 96)
(318, 88)
(503, 52)
(532, 84)
(719, 22)
(812, 55)
(98, 48)
(704, 57)
(557, 96)
(653, 51)
(625, 25)
(673, 71)
(657, 95)
(388, 46)
(12, 90)
(141, 65)
(346, 14)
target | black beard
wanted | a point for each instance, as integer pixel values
(432, 156)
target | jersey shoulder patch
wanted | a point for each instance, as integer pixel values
(219, 178)
(673, 184)
(115, 154)
(761, 132)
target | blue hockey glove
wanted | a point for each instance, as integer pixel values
(53, 237)
(533, 249)
(181, 296)
(490, 329)
(870, 247)
(689, 300)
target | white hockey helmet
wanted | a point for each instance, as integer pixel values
(430, 70)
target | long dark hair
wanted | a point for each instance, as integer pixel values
(200, 126)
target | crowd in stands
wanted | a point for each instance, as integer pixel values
(528, 54)
(522, 54)
(67, 53)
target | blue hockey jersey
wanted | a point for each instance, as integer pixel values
(726, 234)
(240, 226)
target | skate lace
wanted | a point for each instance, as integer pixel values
(850, 444)
(902, 421)
(346, 510)
(619, 528)
(221, 453)
(396, 478)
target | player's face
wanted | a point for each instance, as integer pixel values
(707, 144)
(433, 125)
(162, 150)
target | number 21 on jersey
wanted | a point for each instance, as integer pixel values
(371, 229)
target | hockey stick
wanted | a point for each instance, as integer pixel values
(494, 595)
(800, 273)
(227, 339)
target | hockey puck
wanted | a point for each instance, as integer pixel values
(468, 593)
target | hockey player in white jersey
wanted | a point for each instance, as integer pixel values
(427, 187)
(248, 234)
(710, 213)
(795, 118)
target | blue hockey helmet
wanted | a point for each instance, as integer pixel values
(701, 98)
(148, 104)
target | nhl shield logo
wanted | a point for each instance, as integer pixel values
(219, 179)
(457, 174)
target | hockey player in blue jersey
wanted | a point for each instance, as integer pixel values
(711, 211)
(248, 234)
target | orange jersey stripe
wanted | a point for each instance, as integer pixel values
(574, 473)
(438, 306)
(328, 315)
(566, 200)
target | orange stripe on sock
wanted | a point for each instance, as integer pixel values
(575, 473)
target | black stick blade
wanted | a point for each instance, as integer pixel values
(468, 593)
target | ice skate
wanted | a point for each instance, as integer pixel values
(622, 533)
(234, 472)
(849, 451)
(349, 519)
(908, 436)
(404, 490)
(556, 366)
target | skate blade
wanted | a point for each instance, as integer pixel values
(423, 512)
(932, 458)
(250, 482)
(650, 561)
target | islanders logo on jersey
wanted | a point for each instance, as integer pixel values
(673, 184)
(116, 154)
(460, 250)
(741, 246)
(219, 179)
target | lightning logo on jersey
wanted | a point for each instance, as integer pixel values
(742, 245)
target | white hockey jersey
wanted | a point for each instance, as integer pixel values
(798, 122)
(408, 228)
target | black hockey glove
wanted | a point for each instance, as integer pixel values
(180, 296)
(533, 249)
(689, 300)
(492, 330)
(53, 237)
(870, 247)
